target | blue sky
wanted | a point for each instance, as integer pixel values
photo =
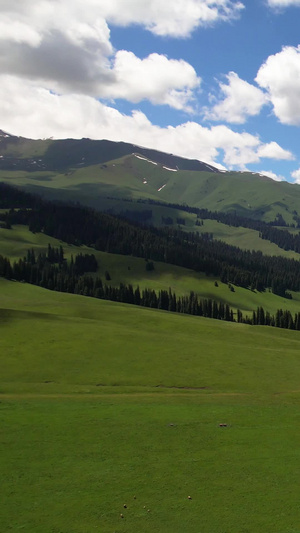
(216, 80)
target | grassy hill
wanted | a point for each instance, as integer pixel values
(104, 404)
(127, 359)
(61, 154)
(15, 243)
(244, 238)
(91, 171)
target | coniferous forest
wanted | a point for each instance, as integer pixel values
(79, 225)
(268, 231)
(51, 271)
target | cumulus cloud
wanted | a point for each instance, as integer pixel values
(64, 50)
(280, 76)
(38, 113)
(272, 175)
(65, 46)
(57, 61)
(296, 176)
(19, 32)
(272, 150)
(161, 80)
(177, 19)
(241, 101)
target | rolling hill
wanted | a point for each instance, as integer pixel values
(56, 155)
(112, 415)
(16, 242)
(104, 174)
(119, 417)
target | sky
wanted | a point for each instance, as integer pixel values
(214, 80)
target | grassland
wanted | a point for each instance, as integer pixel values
(104, 404)
(14, 244)
(244, 238)
(25, 148)
(131, 178)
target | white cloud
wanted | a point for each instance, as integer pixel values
(280, 76)
(81, 24)
(36, 112)
(57, 60)
(296, 176)
(65, 46)
(241, 101)
(272, 175)
(161, 80)
(283, 3)
(272, 150)
(240, 149)
(178, 18)
(13, 30)
(63, 51)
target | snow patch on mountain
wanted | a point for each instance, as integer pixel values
(170, 169)
(145, 159)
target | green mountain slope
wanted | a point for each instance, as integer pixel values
(121, 418)
(52, 154)
(15, 243)
(92, 171)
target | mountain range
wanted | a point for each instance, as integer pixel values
(106, 174)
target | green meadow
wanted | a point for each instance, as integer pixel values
(104, 405)
(122, 419)
(246, 239)
(132, 178)
(15, 242)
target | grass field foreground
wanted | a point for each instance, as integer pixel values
(104, 404)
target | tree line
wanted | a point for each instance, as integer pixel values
(80, 225)
(267, 230)
(12, 197)
(50, 270)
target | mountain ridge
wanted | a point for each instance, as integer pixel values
(60, 153)
(95, 172)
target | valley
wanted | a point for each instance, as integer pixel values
(118, 417)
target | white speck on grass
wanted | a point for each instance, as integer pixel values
(161, 187)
